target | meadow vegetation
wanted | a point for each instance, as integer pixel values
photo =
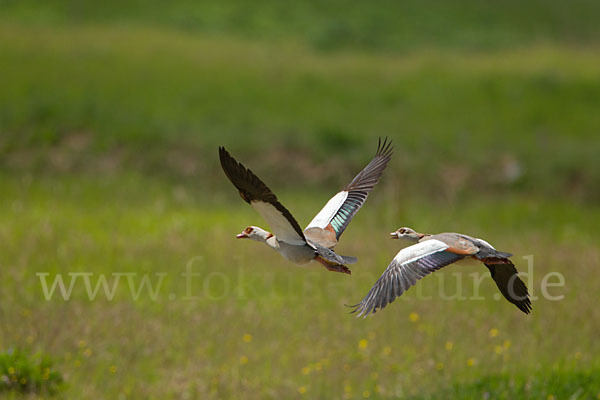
(110, 118)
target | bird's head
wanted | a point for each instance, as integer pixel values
(254, 233)
(406, 234)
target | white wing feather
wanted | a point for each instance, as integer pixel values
(323, 218)
(417, 251)
(279, 224)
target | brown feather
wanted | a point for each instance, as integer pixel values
(456, 243)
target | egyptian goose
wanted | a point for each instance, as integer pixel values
(432, 252)
(322, 234)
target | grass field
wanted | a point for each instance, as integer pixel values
(261, 328)
(91, 97)
(110, 118)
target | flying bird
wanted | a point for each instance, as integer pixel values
(432, 252)
(319, 238)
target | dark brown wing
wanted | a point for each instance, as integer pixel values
(510, 285)
(262, 199)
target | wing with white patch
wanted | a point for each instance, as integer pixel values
(324, 217)
(262, 199)
(409, 265)
(279, 223)
(340, 209)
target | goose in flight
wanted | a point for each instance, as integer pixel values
(322, 234)
(432, 252)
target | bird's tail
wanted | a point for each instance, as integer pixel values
(349, 259)
(333, 257)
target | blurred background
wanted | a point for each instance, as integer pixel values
(110, 117)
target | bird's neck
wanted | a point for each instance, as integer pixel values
(265, 237)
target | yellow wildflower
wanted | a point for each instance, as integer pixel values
(413, 316)
(439, 366)
(11, 370)
(498, 349)
(113, 369)
(301, 390)
(471, 362)
(493, 332)
(247, 338)
(305, 370)
(366, 394)
(81, 343)
(23, 381)
(506, 344)
(387, 350)
(363, 343)
(449, 345)
(243, 360)
(87, 352)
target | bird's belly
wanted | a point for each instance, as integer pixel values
(296, 254)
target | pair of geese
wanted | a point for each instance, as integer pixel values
(428, 253)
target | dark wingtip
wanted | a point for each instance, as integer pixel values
(384, 149)
(227, 162)
(223, 154)
(525, 305)
(355, 306)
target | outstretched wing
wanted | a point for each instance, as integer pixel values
(262, 199)
(410, 264)
(510, 285)
(339, 210)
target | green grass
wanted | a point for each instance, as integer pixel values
(26, 373)
(110, 117)
(89, 98)
(383, 25)
(559, 384)
(302, 337)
